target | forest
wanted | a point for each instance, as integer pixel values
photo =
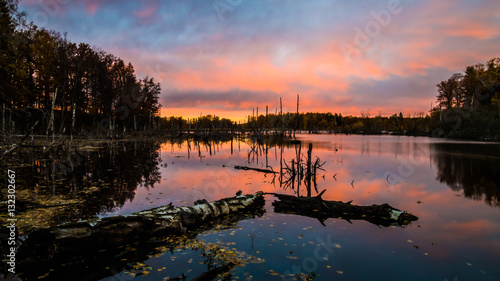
(67, 87)
(468, 103)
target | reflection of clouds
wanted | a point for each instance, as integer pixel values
(452, 230)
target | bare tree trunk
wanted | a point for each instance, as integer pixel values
(51, 120)
(72, 127)
(110, 125)
(73, 120)
(282, 117)
(11, 129)
(3, 122)
(308, 173)
(296, 117)
(299, 172)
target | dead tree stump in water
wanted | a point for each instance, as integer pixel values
(309, 170)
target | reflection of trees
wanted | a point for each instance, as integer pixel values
(111, 175)
(83, 184)
(472, 168)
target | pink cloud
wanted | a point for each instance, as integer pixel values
(146, 12)
(415, 45)
(91, 7)
(147, 15)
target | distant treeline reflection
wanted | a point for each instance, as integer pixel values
(470, 167)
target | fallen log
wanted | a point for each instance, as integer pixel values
(88, 244)
(267, 171)
(154, 221)
(316, 207)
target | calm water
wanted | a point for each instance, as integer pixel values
(452, 186)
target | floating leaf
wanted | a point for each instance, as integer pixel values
(273, 272)
(43, 276)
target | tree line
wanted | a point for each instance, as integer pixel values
(467, 106)
(311, 122)
(67, 87)
(468, 103)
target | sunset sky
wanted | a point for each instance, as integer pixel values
(225, 57)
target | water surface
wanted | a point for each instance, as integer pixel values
(452, 186)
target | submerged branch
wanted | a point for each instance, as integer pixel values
(267, 171)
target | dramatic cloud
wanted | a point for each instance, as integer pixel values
(226, 57)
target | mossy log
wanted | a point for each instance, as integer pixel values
(316, 207)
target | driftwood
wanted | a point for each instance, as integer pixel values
(316, 207)
(86, 246)
(255, 169)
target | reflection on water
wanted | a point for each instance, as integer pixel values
(119, 170)
(454, 238)
(473, 168)
(92, 182)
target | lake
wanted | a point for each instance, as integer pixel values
(453, 187)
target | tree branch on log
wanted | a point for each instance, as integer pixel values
(316, 207)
